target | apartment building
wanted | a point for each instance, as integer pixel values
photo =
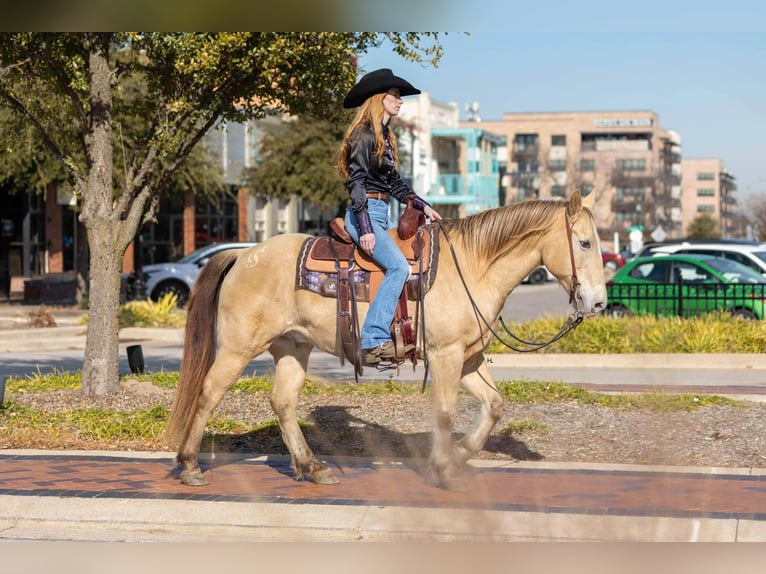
(708, 189)
(626, 157)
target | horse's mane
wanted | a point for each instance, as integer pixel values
(491, 234)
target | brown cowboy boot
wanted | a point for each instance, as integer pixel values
(385, 351)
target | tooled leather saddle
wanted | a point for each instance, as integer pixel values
(333, 266)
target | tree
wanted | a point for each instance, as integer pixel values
(66, 85)
(297, 159)
(703, 227)
(755, 213)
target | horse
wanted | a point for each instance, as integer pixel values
(245, 302)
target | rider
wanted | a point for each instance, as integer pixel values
(367, 160)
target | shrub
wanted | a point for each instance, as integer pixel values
(711, 333)
(148, 313)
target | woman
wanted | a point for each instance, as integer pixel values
(367, 160)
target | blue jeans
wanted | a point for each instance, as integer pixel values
(377, 325)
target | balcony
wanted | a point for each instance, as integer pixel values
(524, 178)
(477, 192)
(524, 151)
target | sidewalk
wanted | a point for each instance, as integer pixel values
(106, 496)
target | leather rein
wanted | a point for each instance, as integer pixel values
(574, 297)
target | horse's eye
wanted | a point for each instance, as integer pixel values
(585, 244)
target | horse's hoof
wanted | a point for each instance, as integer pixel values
(193, 478)
(324, 476)
(453, 481)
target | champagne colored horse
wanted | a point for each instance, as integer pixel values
(245, 302)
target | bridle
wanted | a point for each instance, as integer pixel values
(572, 321)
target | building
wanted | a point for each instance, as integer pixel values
(454, 167)
(626, 157)
(708, 189)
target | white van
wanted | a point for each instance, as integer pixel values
(752, 255)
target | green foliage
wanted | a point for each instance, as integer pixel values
(525, 427)
(148, 313)
(85, 424)
(44, 383)
(710, 333)
(703, 227)
(297, 160)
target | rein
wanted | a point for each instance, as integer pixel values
(574, 293)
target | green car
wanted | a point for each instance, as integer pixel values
(684, 286)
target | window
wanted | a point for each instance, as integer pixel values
(524, 141)
(656, 271)
(559, 140)
(690, 273)
(558, 191)
(587, 165)
(705, 208)
(629, 193)
(706, 192)
(586, 189)
(630, 164)
(558, 165)
(705, 176)
(532, 166)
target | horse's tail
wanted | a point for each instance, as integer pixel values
(199, 343)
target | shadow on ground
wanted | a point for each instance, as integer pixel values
(335, 431)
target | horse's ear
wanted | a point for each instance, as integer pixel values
(575, 204)
(589, 200)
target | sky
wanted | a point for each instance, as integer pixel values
(702, 70)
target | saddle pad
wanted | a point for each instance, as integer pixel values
(308, 264)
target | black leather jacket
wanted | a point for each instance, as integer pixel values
(365, 175)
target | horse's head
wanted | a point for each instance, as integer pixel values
(573, 255)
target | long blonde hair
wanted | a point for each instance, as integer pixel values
(370, 114)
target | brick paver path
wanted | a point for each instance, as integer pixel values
(607, 492)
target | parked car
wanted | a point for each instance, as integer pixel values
(751, 254)
(611, 261)
(179, 276)
(686, 285)
(539, 275)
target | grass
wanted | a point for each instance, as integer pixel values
(21, 425)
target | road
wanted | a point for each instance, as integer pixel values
(531, 301)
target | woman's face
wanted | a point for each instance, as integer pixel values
(392, 102)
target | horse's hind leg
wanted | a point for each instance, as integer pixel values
(222, 375)
(291, 360)
(480, 384)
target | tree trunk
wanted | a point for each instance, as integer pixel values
(100, 370)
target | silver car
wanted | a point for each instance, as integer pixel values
(179, 276)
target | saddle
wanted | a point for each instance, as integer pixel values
(333, 266)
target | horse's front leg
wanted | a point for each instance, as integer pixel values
(478, 381)
(291, 361)
(446, 366)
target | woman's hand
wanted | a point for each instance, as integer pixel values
(367, 242)
(432, 214)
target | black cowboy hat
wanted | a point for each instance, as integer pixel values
(377, 82)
